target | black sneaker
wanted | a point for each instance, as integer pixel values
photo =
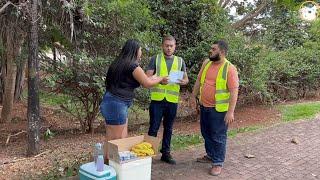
(168, 159)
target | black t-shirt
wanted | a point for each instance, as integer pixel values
(124, 88)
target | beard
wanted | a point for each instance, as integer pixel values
(215, 58)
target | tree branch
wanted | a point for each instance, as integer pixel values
(9, 136)
(250, 15)
(5, 6)
(23, 159)
(69, 5)
(226, 2)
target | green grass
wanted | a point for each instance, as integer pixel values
(180, 142)
(53, 99)
(56, 100)
(233, 132)
(299, 111)
(49, 98)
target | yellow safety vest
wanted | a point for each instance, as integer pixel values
(169, 91)
(222, 95)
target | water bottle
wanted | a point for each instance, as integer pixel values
(98, 152)
(100, 163)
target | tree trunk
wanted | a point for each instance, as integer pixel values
(9, 70)
(2, 76)
(19, 80)
(33, 84)
(2, 62)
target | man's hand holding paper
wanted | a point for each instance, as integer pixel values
(176, 77)
(182, 82)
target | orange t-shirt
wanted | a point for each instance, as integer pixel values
(209, 86)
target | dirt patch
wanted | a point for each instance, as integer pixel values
(51, 117)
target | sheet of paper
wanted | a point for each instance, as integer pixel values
(174, 76)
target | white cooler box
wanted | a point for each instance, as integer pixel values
(139, 169)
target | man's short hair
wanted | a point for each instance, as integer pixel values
(168, 37)
(222, 45)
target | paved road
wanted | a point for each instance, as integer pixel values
(276, 157)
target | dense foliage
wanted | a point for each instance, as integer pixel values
(278, 60)
(281, 62)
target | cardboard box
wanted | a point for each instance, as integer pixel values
(119, 145)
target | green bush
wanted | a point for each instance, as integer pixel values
(287, 75)
(83, 84)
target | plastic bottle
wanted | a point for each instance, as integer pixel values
(98, 152)
(100, 163)
(95, 153)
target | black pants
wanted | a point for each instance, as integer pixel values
(167, 111)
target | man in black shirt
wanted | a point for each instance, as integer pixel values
(165, 96)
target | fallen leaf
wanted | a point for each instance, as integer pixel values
(249, 156)
(295, 140)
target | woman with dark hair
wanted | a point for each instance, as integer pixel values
(123, 76)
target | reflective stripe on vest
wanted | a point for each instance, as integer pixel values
(222, 95)
(169, 91)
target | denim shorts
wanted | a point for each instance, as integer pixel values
(114, 110)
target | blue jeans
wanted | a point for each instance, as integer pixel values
(214, 132)
(114, 110)
(167, 111)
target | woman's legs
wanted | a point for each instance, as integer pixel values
(125, 130)
(115, 132)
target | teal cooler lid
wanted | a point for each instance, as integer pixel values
(90, 169)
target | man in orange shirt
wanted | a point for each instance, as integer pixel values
(214, 121)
